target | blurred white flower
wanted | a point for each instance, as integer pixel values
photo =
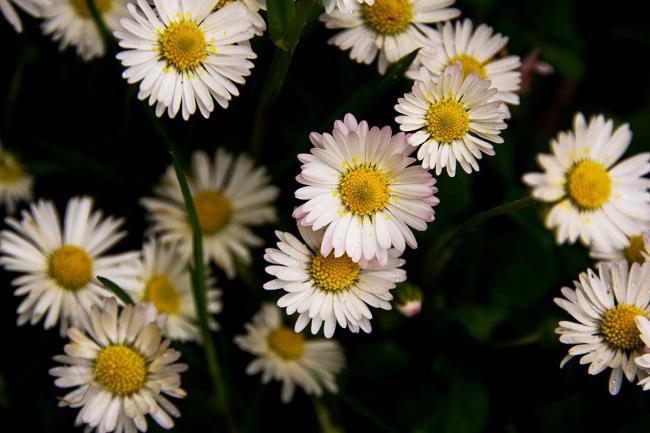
(32, 7)
(15, 183)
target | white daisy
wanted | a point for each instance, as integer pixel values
(184, 55)
(254, 7)
(165, 281)
(643, 361)
(58, 266)
(121, 370)
(32, 7)
(327, 289)
(601, 203)
(230, 195)
(70, 22)
(286, 356)
(15, 183)
(475, 51)
(456, 118)
(636, 251)
(390, 28)
(605, 307)
(361, 186)
(345, 6)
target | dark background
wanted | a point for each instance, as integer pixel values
(481, 357)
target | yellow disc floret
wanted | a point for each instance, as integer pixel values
(364, 190)
(636, 250)
(81, 7)
(619, 329)
(447, 121)
(334, 273)
(589, 185)
(388, 17)
(183, 45)
(71, 267)
(162, 293)
(285, 343)
(213, 209)
(10, 170)
(120, 369)
(470, 65)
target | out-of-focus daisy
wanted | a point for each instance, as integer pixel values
(286, 356)
(456, 119)
(476, 51)
(636, 251)
(595, 200)
(388, 28)
(186, 56)
(254, 7)
(121, 370)
(643, 361)
(230, 195)
(15, 182)
(32, 7)
(70, 22)
(165, 282)
(59, 266)
(361, 186)
(325, 289)
(345, 6)
(605, 307)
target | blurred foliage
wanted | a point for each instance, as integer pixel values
(482, 356)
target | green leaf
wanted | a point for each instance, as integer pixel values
(480, 320)
(279, 15)
(468, 406)
(117, 290)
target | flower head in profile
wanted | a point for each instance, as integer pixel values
(594, 197)
(455, 119)
(58, 265)
(253, 6)
(604, 307)
(15, 183)
(186, 56)
(476, 50)
(361, 187)
(230, 195)
(286, 356)
(388, 29)
(165, 281)
(70, 22)
(325, 289)
(32, 7)
(637, 250)
(120, 370)
(408, 299)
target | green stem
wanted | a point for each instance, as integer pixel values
(14, 90)
(277, 74)
(105, 33)
(117, 290)
(444, 247)
(324, 418)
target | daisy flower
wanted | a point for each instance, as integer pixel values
(643, 361)
(15, 182)
(388, 28)
(594, 198)
(230, 195)
(361, 186)
(185, 55)
(59, 266)
(120, 370)
(32, 7)
(289, 357)
(476, 51)
(254, 7)
(165, 281)
(455, 118)
(70, 22)
(325, 289)
(636, 251)
(605, 306)
(345, 6)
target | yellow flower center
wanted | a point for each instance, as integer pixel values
(213, 209)
(81, 7)
(589, 185)
(388, 17)
(163, 294)
(334, 273)
(470, 65)
(183, 45)
(10, 170)
(635, 250)
(220, 4)
(447, 120)
(619, 329)
(71, 267)
(120, 369)
(364, 189)
(286, 344)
